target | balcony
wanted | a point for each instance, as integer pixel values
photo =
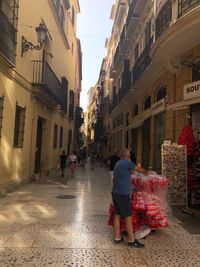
(119, 12)
(185, 6)
(142, 64)
(8, 31)
(124, 39)
(114, 103)
(163, 19)
(47, 87)
(132, 17)
(126, 85)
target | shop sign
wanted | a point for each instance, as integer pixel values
(191, 90)
(158, 107)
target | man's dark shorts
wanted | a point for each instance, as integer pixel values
(122, 205)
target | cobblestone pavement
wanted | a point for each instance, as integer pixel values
(40, 228)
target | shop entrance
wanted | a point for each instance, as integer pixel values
(194, 190)
(146, 144)
(159, 137)
(134, 139)
(38, 150)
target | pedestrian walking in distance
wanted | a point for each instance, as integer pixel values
(63, 163)
(121, 194)
(72, 162)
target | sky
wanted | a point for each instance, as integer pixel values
(94, 26)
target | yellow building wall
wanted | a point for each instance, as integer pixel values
(14, 162)
(15, 85)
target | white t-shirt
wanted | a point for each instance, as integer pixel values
(72, 158)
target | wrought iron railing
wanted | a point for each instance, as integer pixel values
(114, 102)
(8, 29)
(142, 64)
(131, 12)
(126, 85)
(164, 18)
(44, 77)
(184, 6)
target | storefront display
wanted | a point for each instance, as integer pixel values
(150, 205)
(174, 167)
(194, 189)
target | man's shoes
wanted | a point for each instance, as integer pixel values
(136, 244)
(118, 241)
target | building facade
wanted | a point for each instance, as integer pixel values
(152, 75)
(38, 84)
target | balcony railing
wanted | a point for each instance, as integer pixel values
(143, 62)
(126, 85)
(184, 6)
(131, 12)
(114, 103)
(47, 81)
(8, 30)
(164, 18)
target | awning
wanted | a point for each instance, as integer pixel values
(183, 104)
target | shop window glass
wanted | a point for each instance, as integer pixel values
(161, 93)
(147, 103)
(19, 127)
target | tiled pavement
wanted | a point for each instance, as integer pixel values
(39, 229)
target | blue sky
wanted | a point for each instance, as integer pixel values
(94, 26)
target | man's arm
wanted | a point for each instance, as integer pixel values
(141, 170)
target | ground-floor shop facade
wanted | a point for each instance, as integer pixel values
(161, 111)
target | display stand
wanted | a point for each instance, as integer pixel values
(174, 167)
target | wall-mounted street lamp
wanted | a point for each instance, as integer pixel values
(41, 31)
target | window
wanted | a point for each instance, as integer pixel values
(8, 29)
(62, 15)
(136, 53)
(161, 93)
(164, 18)
(65, 86)
(61, 137)
(135, 110)
(19, 127)
(196, 72)
(1, 113)
(57, 3)
(73, 16)
(55, 136)
(147, 103)
(71, 105)
(148, 33)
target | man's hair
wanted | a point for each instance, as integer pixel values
(124, 153)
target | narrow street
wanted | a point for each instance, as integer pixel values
(39, 228)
